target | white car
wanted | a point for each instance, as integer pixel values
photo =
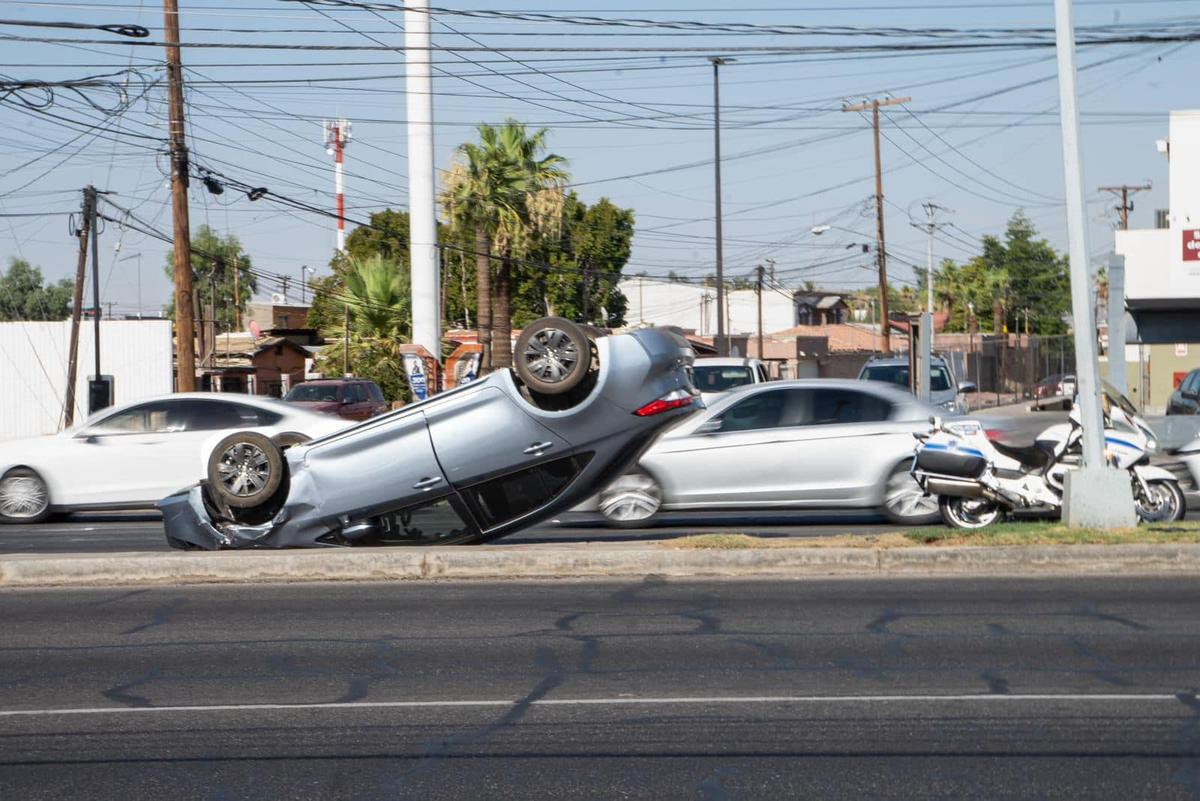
(714, 375)
(131, 456)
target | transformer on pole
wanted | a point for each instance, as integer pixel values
(337, 136)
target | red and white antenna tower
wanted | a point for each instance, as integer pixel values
(337, 135)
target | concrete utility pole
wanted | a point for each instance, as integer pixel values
(423, 244)
(89, 208)
(1124, 191)
(721, 342)
(346, 341)
(925, 361)
(95, 233)
(237, 294)
(337, 134)
(185, 324)
(880, 251)
(1093, 495)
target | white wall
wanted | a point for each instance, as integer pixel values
(33, 369)
(1154, 266)
(694, 307)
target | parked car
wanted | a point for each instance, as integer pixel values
(130, 456)
(714, 375)
(1059, 384)
(472, 464)
(945, 392)
(802, 444)
(348, 398)
(1186, 399)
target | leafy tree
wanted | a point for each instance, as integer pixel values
(508, 193)
(214, 259)
(24, 295)
(378, 294)
(1021, 272)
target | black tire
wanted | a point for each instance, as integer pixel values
(24, 497)
(907, 505)
(553, 356)
(245, 470)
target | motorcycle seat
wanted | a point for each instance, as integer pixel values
(1035, 457)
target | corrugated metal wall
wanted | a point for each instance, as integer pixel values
(33, 369)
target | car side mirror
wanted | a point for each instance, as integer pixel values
(709, 426)
(968, 387)
(90, 439)
(347, 401)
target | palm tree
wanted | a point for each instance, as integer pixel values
(507, 192)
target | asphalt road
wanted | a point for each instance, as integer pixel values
(142, 531)
(848, 689)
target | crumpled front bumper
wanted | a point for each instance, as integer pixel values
(189, 525)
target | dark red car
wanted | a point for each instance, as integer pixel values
(349, 398)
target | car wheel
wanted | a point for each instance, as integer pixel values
(245, 469)
(24, 497)
(553, 356)
(630, 501)
(905, 503)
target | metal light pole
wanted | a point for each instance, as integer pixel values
(721, 343)
(1093, 495)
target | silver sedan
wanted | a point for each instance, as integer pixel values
(808, 444)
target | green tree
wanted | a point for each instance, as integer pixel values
(214, 259)
(377, 293)
(1021, 272)
(508, 192)
(24, 295)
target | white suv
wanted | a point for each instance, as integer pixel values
(714, 375)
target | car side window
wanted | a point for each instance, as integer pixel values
(142, 419)
(516, 494)
(760, 410)
(203, 415)
(375, 393)
(839, 406)
(1192, 384)
(354, 393)
(250, 416)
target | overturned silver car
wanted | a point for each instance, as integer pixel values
(469, 465)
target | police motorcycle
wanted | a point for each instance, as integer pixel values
(979, 482)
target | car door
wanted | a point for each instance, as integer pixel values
(136, 456)
(740, 463)
(484, 433)
(384, 465)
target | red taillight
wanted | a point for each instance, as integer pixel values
(672, 400)
(993, 434)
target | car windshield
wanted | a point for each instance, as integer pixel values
(313, 393)
(714, 378)
(898, 374)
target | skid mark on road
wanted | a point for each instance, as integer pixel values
(162, 615)
(131, 701)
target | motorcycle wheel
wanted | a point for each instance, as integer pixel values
(1166, 503)
(969, 513)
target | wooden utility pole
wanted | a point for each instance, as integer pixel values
(185, 322)
(758, 290)
(89, 207)
(880, 250)
(1124, 191)
(95, 232)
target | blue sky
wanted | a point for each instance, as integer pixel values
(980, 136)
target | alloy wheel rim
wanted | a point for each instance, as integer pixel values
(551, 355)
(22, 497)
(906, 498)
(244, 469)
(1161, 504)
(976, 513)
(631, 498)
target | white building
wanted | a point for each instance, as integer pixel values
(694, 307)
(1162, 264)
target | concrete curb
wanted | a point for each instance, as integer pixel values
(584, 561)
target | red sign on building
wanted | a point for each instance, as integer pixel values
(1191, 245)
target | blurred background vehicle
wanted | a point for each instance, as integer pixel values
(1054, 385)
(348, 398)
(802, 444)
(714, 375)
(945, 391)
(130, 456)
(1186, 398)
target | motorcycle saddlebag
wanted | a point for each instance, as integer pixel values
(967, 463)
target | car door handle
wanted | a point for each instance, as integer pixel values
(538, 448)
(426, 483)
